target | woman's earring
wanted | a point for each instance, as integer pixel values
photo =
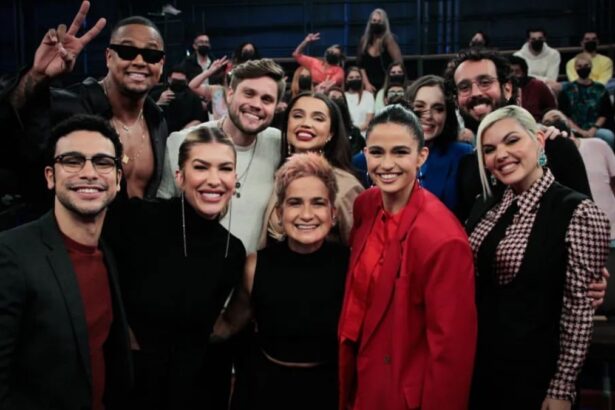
(493, 179)
(289, 149)
(542, 158)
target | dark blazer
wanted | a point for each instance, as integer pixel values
(44, 352)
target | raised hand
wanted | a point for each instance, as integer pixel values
(312, 37)
(60, 47)
(218, 64)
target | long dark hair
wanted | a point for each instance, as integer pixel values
(336, 151)
(237, 53)
(451, 124)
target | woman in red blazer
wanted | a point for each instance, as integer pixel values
(408, 324)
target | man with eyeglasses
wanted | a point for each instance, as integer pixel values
(481, 82)
(64, 340)
(134, 57)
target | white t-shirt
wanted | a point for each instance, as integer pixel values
(246, 211)
(360, 110)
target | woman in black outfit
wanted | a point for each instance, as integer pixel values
(293, 290)
(177, 267)
(537, 246)
(377, 50)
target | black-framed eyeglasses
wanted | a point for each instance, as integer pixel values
(129, 53)
(74, 162)
(484, 82)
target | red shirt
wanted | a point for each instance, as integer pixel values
(318, 71)
(366, 272)
(93, 281)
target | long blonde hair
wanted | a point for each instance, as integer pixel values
(368, 38)
(523, 118)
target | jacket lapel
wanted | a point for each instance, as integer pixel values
(62, 268)
(384, 287)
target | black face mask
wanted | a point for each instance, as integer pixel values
(591, 46)
(305, 83)
(377, 28)
(332, 58)
(247, 55)
(177, 86)
(523, 80)
(397, 78)
(584, 72)
(203, 50)
(537, 45)
(354, 85)
(477, 43)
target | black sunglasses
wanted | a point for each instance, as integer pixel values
(129, 53)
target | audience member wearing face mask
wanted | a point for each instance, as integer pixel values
(330, 69)
(377, 50)
(542, 60)
(602, 66)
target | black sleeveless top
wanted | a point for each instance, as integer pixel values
(297, 299)
(376, 67)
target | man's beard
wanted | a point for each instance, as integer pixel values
(234, 117)
(472, 123)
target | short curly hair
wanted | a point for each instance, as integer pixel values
(502, 67)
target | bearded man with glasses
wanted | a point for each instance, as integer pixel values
(64, 340)
(134, 58)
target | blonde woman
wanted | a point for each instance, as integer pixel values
(537, 247)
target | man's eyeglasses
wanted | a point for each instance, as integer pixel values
(484, 82)
(129, 53)
(73, 163)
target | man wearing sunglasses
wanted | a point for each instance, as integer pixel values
(63, 333)
(134, 58)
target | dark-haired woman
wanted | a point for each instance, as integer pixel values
(357, 142)
(427, 97)
(377, 50)
(177, 267)
(331, 69)
(244, 52)
(408, 324)
(314, 124)
(396, 75)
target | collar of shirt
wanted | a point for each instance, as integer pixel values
(528, 200)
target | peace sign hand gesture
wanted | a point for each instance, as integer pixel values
(60, 47)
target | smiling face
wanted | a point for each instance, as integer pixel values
(307, 214)
(393, 158)
(251, 105)
(208, 178)
(83, 194)
(430, 106)
(511, 154)
(309, 124)
(480, 100)
(134, 77)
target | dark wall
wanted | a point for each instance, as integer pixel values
(421, 26)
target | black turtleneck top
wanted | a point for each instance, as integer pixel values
(297, 300)
(172, 301)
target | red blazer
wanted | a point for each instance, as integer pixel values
(419, 334)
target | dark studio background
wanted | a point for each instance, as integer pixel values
(423, 27)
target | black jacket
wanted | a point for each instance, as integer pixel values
(44, 352)
(53, 105)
